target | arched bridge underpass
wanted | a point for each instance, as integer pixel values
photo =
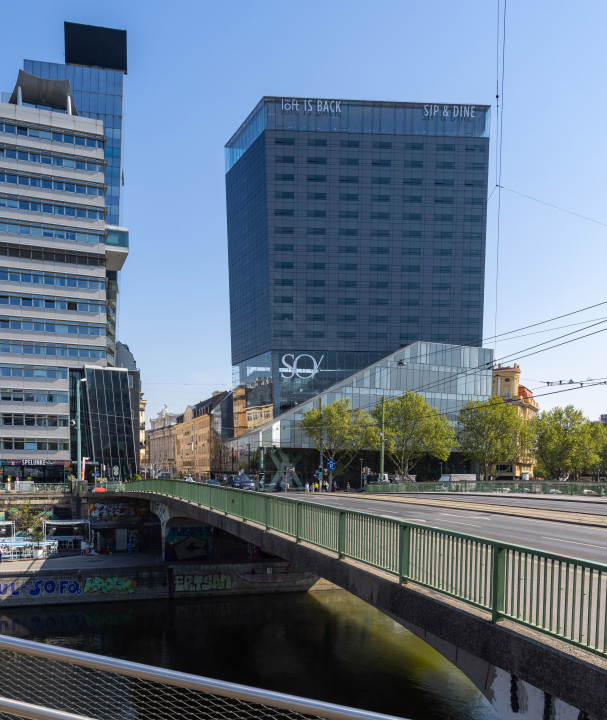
(528, 627)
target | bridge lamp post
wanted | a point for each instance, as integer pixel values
(400, 364)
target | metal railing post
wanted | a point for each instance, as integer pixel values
(498, 584)
(267, 501)
(341, 537)
(404, 545)
(298, 524)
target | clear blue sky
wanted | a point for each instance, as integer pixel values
(196, 69)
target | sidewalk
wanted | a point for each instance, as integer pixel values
(90, 563)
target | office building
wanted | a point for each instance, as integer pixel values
(61, 247)
(95, 65)
(162, 443)
(354, 228)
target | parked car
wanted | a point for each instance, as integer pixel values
(242, 482)
(164, 476)
(213, 482)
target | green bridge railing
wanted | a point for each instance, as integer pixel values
(539, 487)
(561, 596)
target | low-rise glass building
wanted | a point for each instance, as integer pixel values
(448, 376)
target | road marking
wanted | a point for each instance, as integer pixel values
(469, 517)
(571, 542)
(461, 523)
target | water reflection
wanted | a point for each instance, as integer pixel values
(329, 646)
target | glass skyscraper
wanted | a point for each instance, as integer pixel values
(98, 94)
(354, 228)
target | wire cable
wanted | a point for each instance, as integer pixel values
(556, 207)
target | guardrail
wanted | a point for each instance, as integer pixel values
(561, 596)
(52, 683)
(539, 487)
(27, 488)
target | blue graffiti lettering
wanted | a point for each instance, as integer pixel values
(62, 586)
(74, 588)
(15, 590)
(36, 590)
(50, 586)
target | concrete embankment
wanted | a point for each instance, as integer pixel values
(77, 579)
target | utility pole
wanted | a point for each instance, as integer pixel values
(381, 438)
(78, 436)
(320, 432)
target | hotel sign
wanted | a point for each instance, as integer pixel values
(303, 366)
(292, 106)
(450, 111)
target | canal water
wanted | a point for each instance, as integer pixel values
(328, 645)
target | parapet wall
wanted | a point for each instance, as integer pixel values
(153, 582)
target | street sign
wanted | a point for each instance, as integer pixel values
(331, 465)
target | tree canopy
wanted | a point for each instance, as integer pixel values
(413, 428)
(565, 442)
(492, 432)
(345, 430)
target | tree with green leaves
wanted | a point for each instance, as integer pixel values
(599, 439)
(564, 442)
(492, 432)
(28, 519)
(345, 430)
(413, 429)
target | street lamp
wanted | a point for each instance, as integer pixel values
(401, 363)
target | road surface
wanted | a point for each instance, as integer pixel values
(563, 538)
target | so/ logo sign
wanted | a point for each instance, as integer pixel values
(303, 366)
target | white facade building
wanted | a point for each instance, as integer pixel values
(57, 307)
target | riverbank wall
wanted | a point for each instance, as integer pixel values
(152, 582)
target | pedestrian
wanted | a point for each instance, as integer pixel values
(348, 487)
(334, 486)
(286, 486)
(307, 487)
(316, 486)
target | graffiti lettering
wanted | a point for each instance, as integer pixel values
(110, 512)
(70, 587)
(202, 583)
(110, 584)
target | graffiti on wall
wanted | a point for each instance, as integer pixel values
(114, 512)
(186, 542)
(110, 584)
(68, 587)
(202, 583)
(160, 510)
